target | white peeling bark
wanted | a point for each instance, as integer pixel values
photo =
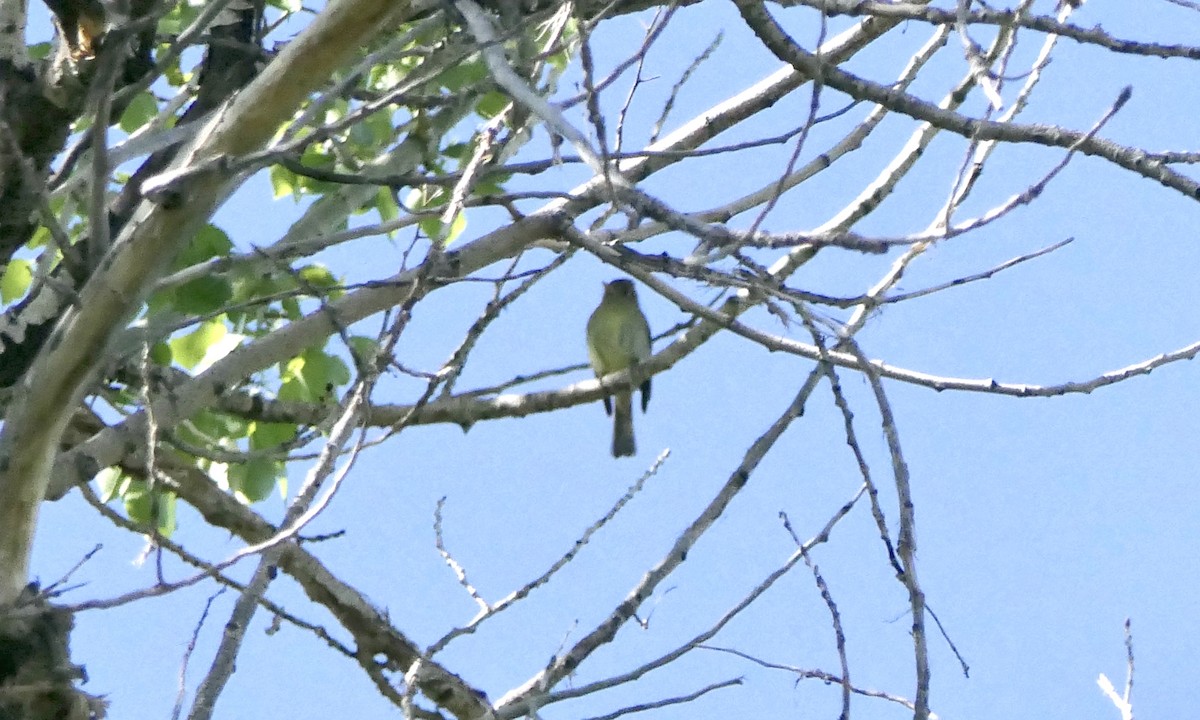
(63, 371)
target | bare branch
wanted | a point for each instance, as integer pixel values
(519, 700)
(1130, 158)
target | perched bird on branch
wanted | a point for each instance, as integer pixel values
(618, 337)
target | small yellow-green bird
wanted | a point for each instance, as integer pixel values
(618, 337)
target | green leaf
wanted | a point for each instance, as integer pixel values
(456, 228)
(457, 151)
(166, 513)
(432, 227)
(159, 301)
(265, 435)
(381, 125)
(141, 110)
(251, 284)
(492, 104)
(180, 17)
(385, 203)
(175, 76)
(139, 506)
(284, 182)
(426, 198)
(463, 75)
(567, 41)
(160, 354)
(203, 295)
(361, 135)
(312, 376)
(364, 348)
(16, 280)
(336, 110)
(254, 480)
(111, 482)
(41, 236)
(145, 507)
(191, 349)
(210, 242)
(317, 276)
(385, 76)
(492, 184)
(322, 369)
(559, 61)
(316, 157)
(442, 233)
(291, 308)
(206, 426)
(293, 389)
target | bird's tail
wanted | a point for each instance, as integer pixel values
(623, 444)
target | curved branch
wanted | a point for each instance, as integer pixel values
(64, 370)
(1002, 18)
(1130, 158)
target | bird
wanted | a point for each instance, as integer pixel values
(618, 337)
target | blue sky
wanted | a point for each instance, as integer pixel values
(1043, 523)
